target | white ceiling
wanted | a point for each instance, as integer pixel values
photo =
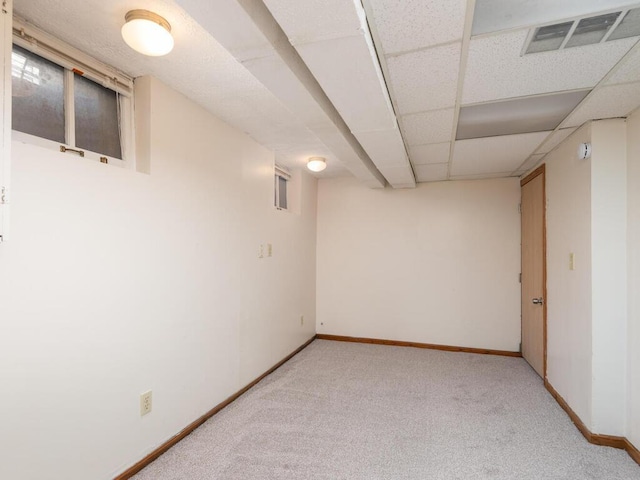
(376, 86)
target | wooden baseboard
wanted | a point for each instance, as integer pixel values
(397, 343)
(192, 426)
(572, 415)
(632, 451)
(603, 440)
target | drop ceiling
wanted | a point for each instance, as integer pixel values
(392, 92)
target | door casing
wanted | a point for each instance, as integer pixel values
(540, 171)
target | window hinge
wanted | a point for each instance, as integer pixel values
(520, 278)
(519, 208)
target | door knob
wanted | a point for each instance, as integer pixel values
(537, 301)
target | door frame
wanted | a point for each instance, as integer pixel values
(541, 170)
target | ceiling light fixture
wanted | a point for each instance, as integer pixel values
(317, 164)
(147, 32)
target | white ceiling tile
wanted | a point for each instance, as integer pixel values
(555, 139)
(494, 15)
(409, 24)
(261, 104)
(311, 20)
(203, 70)
(482, 176)
(425, 80)
(606, 102)
(482, 156)
(428, 127)
(629, 70)
(354, 159)
(296, 156)
(267, 121)
(274, 74)
(352, 79)
(293, 158)
(279, 134)
(338, 171)
(384, 147)
(434, 153)
(431, 173)
(531, 162)
(491, 76)
(240, 35)
(398, 176)
(340, 146)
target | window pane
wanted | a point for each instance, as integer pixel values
(96, 118)
(282, 193)
(37, 95)
(591, 30)
(629, 27)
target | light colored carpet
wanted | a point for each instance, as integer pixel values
(354, 411)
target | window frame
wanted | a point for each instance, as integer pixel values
(281, 172)
(5, 121)
(75, 63)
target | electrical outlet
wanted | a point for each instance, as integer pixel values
(301, 320)
(145, 403)
(572, 261)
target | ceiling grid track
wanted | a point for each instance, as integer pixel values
(602, 83)
(385, 74)
(464, 55)
(334, 40)
(252, 35)
(390, 91)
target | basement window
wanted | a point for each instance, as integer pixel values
(282, 177)
(65, 100)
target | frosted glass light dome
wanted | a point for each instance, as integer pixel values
(147, 33)
(317, 164)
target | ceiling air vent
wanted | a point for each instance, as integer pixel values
(550, 37)
(585, 31)
(628, 27)
(592, 30)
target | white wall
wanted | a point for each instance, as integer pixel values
(436, 264)
(116, 282)
(609, 275)
(633, 275)
(587, 307)
(569, 332)
(6, 23)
